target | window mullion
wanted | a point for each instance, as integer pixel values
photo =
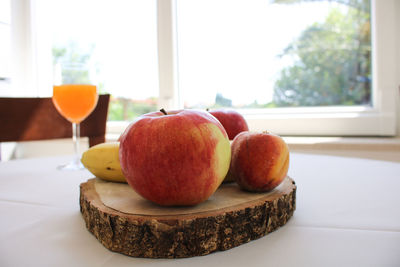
(167, 55)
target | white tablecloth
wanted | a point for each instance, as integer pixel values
(348, 214)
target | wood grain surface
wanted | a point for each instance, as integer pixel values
(126, 223)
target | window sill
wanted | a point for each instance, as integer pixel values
(378, 148)
(347, 143)
(348, 121)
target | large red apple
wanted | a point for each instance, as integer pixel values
(233, 122)
(260, 161)
(176, 158)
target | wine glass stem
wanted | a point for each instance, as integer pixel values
(76, 134)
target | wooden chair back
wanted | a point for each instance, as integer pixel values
(31, 119)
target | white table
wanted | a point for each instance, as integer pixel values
(348, 214)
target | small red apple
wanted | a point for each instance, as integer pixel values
(260, 161)
(233, 122)
(176, 157)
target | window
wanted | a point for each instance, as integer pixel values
(262, 54)
(118, 40)
(190, 53)
(292, 67)
(115, 41)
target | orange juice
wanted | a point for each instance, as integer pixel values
(75, 101)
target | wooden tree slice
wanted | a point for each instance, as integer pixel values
(126, 223)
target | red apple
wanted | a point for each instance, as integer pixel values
(260, 161)
(233, 122)
(176, 158)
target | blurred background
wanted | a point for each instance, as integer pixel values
(296, 67)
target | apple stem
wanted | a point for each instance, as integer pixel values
(207, 109)
(163, 111)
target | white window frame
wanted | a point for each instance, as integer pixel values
(378, 120)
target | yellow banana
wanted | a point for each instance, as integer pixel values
(102, 160)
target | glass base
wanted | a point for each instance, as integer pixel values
(72, 166)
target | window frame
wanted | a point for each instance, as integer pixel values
(378, 120)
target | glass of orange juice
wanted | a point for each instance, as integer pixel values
(75, 102)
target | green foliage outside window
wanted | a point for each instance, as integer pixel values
(127, 109)
(332, 61)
